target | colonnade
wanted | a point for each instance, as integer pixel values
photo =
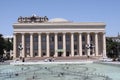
(80, 42)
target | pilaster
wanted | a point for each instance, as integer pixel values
(56, 45)
(39, 44)
(72, 44)
(80, 44)
(31, 44)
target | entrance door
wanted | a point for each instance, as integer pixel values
(67, 53)
(59, 54)
(51, 54)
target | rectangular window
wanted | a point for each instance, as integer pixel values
(52, 38)
(35, 47)
(75, 37)
(43, 38)
(35, 38)
(83, 46)
(59, 38)
(60, 46)
(75, 46)
(67, 38)
(27, 38)
(52, 47)
(68, 47)
(43, 46)
(91, 38)
(83, 38)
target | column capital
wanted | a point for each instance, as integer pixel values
(22, 33)
(96, 32)
(39, 33)
(47, 33)
(88, 32)
(104, 32)
(72, 32)
(55, 32)
(31, 33)
(14, 33)
(80, 33)
(64, 33)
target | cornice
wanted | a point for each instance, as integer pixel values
(62, 24)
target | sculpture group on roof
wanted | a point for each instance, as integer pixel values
(32, 19)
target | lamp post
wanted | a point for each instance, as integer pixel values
(90, 46)
(87, 47)
(20, 48)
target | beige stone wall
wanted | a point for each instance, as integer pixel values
(93, 34)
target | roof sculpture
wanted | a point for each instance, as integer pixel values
(32, 19)
(39, 19)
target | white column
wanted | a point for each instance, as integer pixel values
(31, 44)
(80, 44)
(56, 45)
(14, 45)
(96, 44)
(104, 45)
(23, 45)
(47, 45)
(88, 43)
(72, 44)
(64, 44)
(39, 44)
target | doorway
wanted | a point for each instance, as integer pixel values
(51, 54)
(67, 53)
(60, 54)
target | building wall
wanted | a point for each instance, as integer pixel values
(39, 39)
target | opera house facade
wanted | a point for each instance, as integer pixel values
(37, 36)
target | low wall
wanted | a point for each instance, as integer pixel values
(32, 63)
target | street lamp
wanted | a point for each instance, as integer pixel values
(20, 48)
(87, 47)
(90, 46)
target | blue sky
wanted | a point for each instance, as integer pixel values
(107, 11)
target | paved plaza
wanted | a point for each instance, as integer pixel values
(66, 71)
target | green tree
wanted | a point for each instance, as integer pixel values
(2, 45)
(9, 44)
(112, 48)
(8, 47)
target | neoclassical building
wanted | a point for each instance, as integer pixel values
(36, 36)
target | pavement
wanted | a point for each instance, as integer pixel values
(57, 60)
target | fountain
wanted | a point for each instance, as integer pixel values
(59, 72)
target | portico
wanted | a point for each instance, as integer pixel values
(59, 38)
